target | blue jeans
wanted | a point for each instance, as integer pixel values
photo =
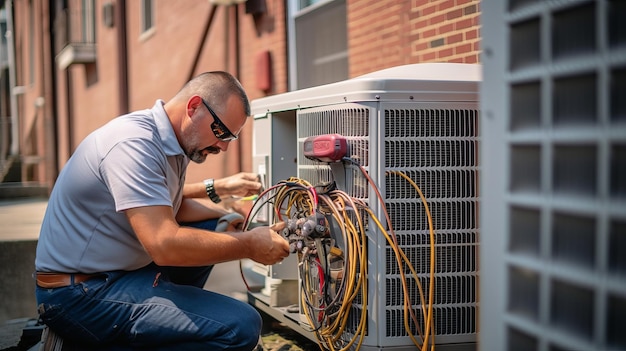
(155, 308)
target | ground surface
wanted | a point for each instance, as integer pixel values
(281, 338)
(276, 338)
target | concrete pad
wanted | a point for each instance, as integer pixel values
(20, 221)
(17, 285)
(226, 279)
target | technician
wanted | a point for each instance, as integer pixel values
(114, 266)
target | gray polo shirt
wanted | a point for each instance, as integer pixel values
(132, 161)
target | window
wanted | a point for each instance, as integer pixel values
(318, 44)
(75, 32)
(306, 3)
(147, 15)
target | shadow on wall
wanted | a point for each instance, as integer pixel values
(17, 287)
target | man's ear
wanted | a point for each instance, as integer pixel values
(193, 104)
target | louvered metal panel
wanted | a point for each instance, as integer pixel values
(554, 168)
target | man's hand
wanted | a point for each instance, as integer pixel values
(241, 184)
(267, 246)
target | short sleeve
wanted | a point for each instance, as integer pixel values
(135, 171)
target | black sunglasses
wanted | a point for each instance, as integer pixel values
(218, 127)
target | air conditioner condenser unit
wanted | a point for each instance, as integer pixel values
(419, 121)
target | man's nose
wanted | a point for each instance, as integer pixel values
(223, 145)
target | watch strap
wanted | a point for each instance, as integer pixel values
(209, 185)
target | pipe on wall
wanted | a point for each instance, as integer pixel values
(15, 131)
(122, 57)
(207, 27)
(48, 101)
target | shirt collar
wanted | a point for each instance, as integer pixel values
(168, 137)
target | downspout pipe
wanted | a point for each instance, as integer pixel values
(122, 57)
(238, 69)
(47, 92)
(15, 130)
(237, 45)
(194, 65)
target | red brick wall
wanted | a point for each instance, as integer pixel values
(260, 34)
(381, 34)
(162, 60)
(94, 87)
(267, 32)
(389, 33)
(33, 99)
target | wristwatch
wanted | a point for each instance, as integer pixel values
(210, 190)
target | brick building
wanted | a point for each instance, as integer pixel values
(69, 66)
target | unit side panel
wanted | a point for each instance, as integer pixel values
(274, 137)
(435, 146)
(554, 107)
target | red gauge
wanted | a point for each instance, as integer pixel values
(325, 148)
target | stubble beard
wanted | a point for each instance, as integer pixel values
(198, 156)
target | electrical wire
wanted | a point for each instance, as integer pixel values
(431, 286)
(392, 239)
(329, 296)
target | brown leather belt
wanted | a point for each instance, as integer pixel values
(58, 280)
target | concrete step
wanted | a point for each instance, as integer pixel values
(18, 190)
